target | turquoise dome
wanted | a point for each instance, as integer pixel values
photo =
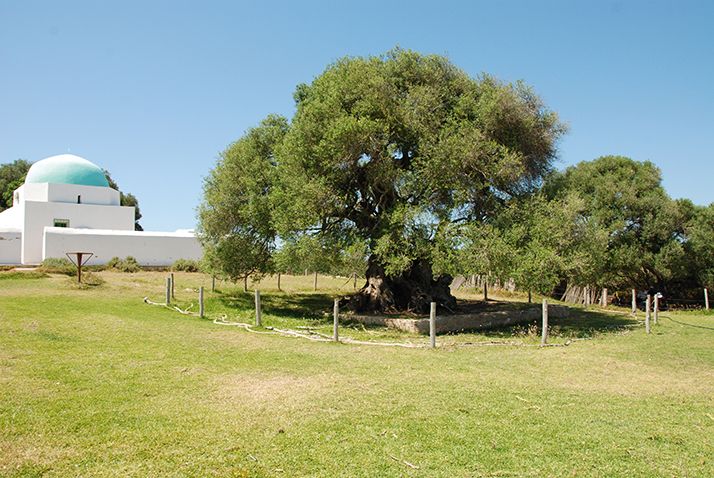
(66, 169)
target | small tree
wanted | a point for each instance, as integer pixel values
(235, 217)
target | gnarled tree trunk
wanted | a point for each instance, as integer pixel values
(413, 290)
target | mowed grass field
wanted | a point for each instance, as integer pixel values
(94, 382)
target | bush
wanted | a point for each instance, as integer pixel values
(128, 264)
(89, 281)
(55, 265)
(186, 265)
(92, 280)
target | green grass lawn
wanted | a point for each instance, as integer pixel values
(93, 382)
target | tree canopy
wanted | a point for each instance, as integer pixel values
(12, 175)
(389, 151)
(644, 229)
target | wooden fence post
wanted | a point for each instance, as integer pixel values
(656, 308)
(544, 333)
(173, 282)
(168, 290)
(315, 281)
(485, 291)
(279, 289)
(213, 283)
(201, 310)
(706, 299)
(258, 311)
(432, 325)
(336, 320)
(647, 314)
(634, 302)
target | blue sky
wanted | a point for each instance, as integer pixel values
(153, 90)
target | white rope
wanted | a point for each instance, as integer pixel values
(186, 311)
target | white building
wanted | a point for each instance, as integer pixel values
(66, 205)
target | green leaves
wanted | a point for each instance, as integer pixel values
(634, 232)
(236, 224)
(12, 176)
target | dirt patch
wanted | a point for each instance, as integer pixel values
(273, 389)
(26, 457)
(636, 379)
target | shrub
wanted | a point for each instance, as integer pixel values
(186, 265)
(89, 281)
(128, 264)
(92, 280)
(55, 265)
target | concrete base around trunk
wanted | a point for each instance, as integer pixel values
(462, 322)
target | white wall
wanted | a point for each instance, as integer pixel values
(10, 246)
(30, 192)
(148, 248)
(66, 193)
(88, 194)
(39, 215)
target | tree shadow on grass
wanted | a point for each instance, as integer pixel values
(579, 323)
(294, 305)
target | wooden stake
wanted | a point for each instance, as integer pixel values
(656, 308)
(279, 282)
(335, 320)
(315, 281)
(544, 332)
(173, 287)
(168, 290)
(432, 325)
(258, 311)
(634, 302)
(706, 299)
(530, 299)
(647, 313)
(201, 310)
(245, 283)
(485, 291)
